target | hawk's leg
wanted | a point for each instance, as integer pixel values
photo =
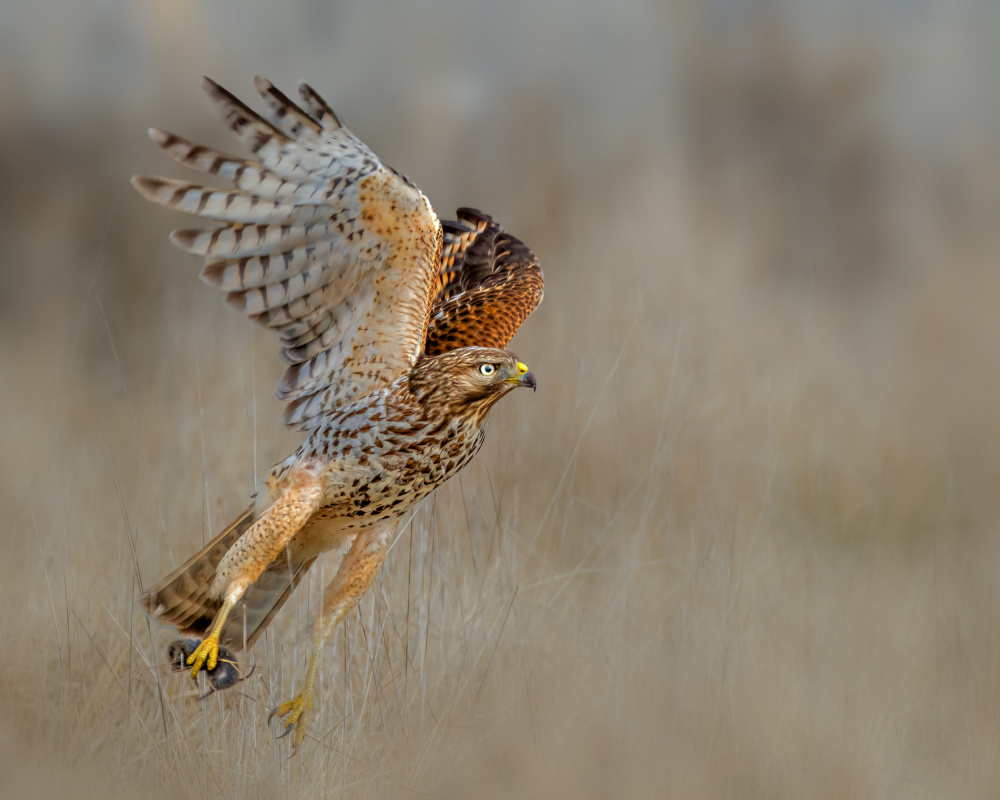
(358, 569)
(254, 550)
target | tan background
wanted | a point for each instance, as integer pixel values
(742, 541)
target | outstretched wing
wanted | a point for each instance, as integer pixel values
(458, 235)
(487, 285)
(321, 242)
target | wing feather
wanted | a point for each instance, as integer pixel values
(488, 283)
(226, 206)
(318, 108)
(457, 236)
(320, 241)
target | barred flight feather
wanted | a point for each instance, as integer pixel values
(339, 254)
(311, 227)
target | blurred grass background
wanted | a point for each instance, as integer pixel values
(741, 542)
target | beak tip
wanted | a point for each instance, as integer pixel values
(523, 377)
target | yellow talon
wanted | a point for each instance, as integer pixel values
(209, 647)
(208, 651)
(292, 715)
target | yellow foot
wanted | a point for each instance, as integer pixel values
(293, 716)
(207, 651)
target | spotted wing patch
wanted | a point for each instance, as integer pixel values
(457, 236)
(320, 241)
(488, 284)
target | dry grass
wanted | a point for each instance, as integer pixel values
(741, 542)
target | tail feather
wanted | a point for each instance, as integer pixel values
(182, 599)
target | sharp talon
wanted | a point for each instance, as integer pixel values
(293, 714)
(225, 675)
(207, 651)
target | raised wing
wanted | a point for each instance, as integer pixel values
(487, 285)
(321, 242)
(458, 235)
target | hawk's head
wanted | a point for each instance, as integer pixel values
(468, 380)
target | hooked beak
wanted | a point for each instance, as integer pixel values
(523, 377)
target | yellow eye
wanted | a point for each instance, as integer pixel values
(487, 369)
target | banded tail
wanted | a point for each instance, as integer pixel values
(181, 599)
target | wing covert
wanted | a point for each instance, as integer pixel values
(320, 241)
(487, 285)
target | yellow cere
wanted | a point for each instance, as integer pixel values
(521, 368)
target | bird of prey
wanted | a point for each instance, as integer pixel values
(393, 325)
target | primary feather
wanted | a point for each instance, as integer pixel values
(321, 242)
(339, 254)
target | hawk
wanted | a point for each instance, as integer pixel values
(393, 325)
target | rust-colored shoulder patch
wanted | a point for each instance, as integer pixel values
(488, 284)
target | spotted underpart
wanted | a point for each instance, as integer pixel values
(392, 448)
